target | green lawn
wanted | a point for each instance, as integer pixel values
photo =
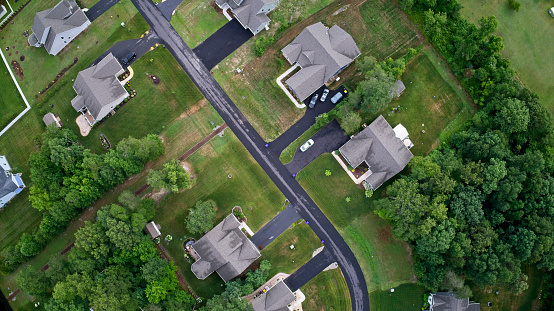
(11, 103)
(405, 297)
(327, 292)
(249, 187)
(196, 20)
(526, 36)
(506, 301)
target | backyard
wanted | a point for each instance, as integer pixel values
(196, 20)
(525, 43)
(11, 103)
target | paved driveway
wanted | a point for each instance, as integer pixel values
(222, 43)
(295, 131)
(330, 138)
(99, 8)
(122, 48)
(167, 7)
(275, 227)
(309, 270)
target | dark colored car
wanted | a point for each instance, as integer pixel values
(313, 101)
(129, 57)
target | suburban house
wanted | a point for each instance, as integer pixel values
(99, 90)
(322, 53)
(252, 14)
(449, 302)
(3, 11)
(225, 249)
(50, 118)
(152, 230)
(10, 184)
(56, 27)
(384, 151)
(277, 298)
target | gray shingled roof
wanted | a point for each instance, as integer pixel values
(8, 187)
(316, 47)
(449, 302)
(224, 249)
(98, 86)
(397, 88)
(49, 118)
(66, 15)
(246, 11)
(378, 146)
(152, 229)
(276, 298)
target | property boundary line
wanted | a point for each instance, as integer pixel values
(20, 92)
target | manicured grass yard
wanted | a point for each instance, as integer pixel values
(385, 260)
(249, 187)
(526, 36)
(196, 20)
(11, 103)
(405, 297)
(327, 291)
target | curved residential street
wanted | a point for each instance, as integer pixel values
(240, 126)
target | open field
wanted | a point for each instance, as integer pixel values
(326, 292)
(11, 103)
(526, 43)
(196, 20)
(506, 301)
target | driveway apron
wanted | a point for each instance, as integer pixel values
(309, 270)
(167, 7)
(273, 229)
(330, 138)
(222, 43)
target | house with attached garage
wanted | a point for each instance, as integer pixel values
(10, 184)
(380, 149)
(225, 250)
(252, 14)
(56, 27)
(99, 90)
(322, 53)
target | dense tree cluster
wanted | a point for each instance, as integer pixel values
(548, 291)
(172, 177)
(482, 203)
(230, 299)
(113, 266)
(66, 178)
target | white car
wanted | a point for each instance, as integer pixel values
(305, 146)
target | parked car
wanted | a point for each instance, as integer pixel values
(129, 57)
(335, 99)
(324, 95)
(305, 146)
(314, 100)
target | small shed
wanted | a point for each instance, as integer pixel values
(397, 89)
(153, 230)
(50, 118)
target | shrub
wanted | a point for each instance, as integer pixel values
(514, 5)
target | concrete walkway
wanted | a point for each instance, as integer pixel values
(131, 74)
(273, 229)
(284, 88)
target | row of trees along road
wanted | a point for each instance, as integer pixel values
(482, 203)
(66, 178)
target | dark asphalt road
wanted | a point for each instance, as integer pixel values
(122, 48)
(328, 139)
(252, 141)
(167, 7)
(222, 43)
(273, 229)
(295, 131)
(99, 8)
(309, 270)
